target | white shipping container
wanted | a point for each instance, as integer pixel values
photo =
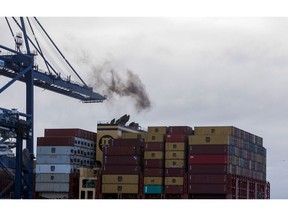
(59, 150)
(55, 168)
(53, 187)
(52, 178)
(55, 159)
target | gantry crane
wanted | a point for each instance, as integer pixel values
(20, 66)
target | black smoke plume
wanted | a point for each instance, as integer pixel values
(112, 81)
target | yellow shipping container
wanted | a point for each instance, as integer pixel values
(209, 140)
(153, 180)
(157, 130)
(132, 136)
(154, 137)
(175, 163)
(123, 179)
(175, 146)
(214, 130)
(174, 180)
(178, 155)
(120, 188)
(153, 155)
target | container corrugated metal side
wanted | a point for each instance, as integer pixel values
(55, 141)
(55, 168)
(175, 155)
(120, 188)
(174, 189)
(153, 155)
(153, 180)
(154, 146)
(175, 146)
(174, 172)
(153, 172)
(214, 130)
(54, 159)
(127, 142)
(125, 150)
(176, 138)
(118, 169)
(207, 179)
(155, 138)
(174, 180)
(208, 149)
(175, 163)
(122, 160)
(154, 163)
(59, 150)
(122, 179)
(209, 140)
(187, 130)
(207, 188)
(157, 129)
(207, 159)
(153, 189)
(75, 132)
(208, 169)
(131, 135)
(52, 178)
(51, 187)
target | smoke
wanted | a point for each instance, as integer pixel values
(114, 80)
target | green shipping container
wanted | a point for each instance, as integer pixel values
(153, 189)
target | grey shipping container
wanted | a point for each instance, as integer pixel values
(53, 187)
(48, 150)
(55, 159)
(52, 178)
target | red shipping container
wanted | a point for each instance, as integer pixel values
(125, 150)
(185, 130)
(154, 146)
(116, 169)
(176, 138)
(76, 132)
(121, 160)
(207, 179)
(174, 189)
(207, 159)
(174, 172)
(154, 163)
(127, 142)
(207, 188)
(207, 149)
(55, 141)
(208, 169)
(153, 172)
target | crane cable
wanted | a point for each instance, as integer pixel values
(35, 46)
(59, 65)
(60, 52)
(38, 44)
(10, 29)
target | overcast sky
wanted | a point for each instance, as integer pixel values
(196, 71)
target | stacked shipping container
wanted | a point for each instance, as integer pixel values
(164, 162)
(122, 166)
(175, 159)
(59, 154)
(154, 161)
(216, 153)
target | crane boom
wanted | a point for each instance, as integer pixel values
(11, 65)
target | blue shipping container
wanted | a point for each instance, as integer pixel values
(153, 189)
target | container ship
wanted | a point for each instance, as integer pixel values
(123, 161)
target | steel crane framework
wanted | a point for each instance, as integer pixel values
(20, 66)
